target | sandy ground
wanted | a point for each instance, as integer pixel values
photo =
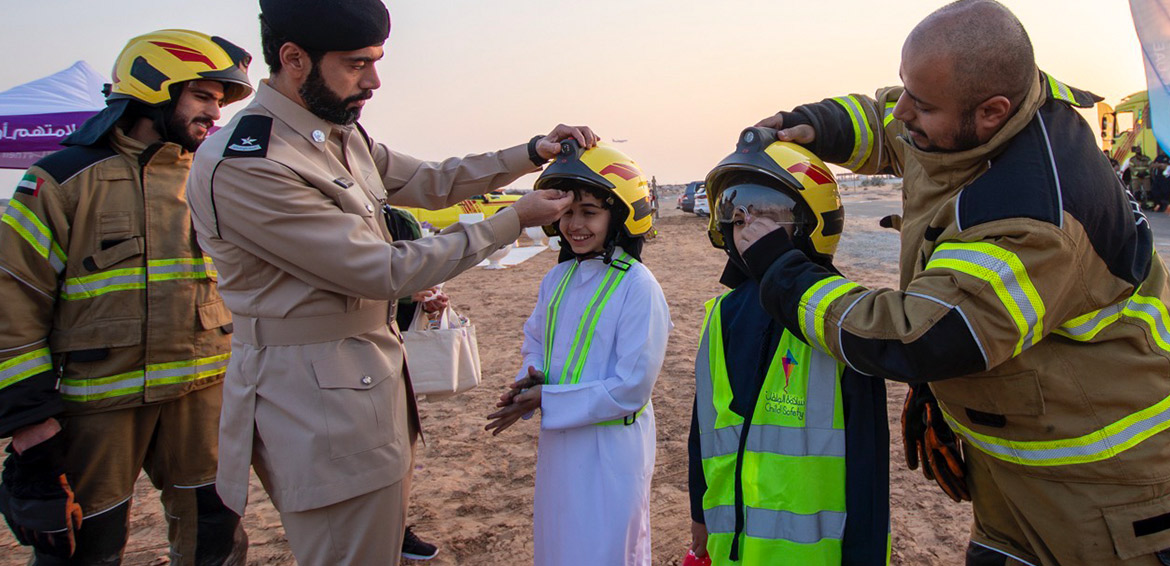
(473, 493)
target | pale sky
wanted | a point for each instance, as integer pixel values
(678, 79)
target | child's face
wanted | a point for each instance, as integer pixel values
(585, 224)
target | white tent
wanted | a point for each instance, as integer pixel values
(36, 116)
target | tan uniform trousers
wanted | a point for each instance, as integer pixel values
(174, 442)
(1046, 523)
(364, 530)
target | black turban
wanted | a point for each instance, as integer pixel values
(328, 25)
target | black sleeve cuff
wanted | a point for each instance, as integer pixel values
(696, 482)
(834, 141)
(533, 155)
(28, 402)
(762, 254)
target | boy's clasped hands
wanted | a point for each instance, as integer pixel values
(521, 398)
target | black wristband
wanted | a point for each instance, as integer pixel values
(533, 155)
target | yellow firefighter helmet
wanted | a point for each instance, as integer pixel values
(151, 63)
(610, 170)
(761, 163)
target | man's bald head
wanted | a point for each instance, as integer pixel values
(987, 47)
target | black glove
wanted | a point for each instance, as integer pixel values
(36, 500)
(928, 439)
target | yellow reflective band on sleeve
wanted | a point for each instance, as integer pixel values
(35, 233)
(1060, 91)
(863, 138)
(1006, 274)
(25, 366)
(134, 382)
(1093, 447)
(131, 278)
(889, 115)
(815, 303)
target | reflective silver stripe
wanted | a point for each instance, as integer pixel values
(1159, 324)
(1081, 331)
(778, 525)
(719, 442)
(81, 289)
(861, 148)
(810, 310)
(25, 366)
(155, 269)
(1055, 171)
(154, 375)
(822, 389)
(135, 382)
(772, 439)
(704, 390)
(33, 231)
(1108, 444)
(1010, 283)
(788, 441)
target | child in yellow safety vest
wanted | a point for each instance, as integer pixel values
(789, 458)
(592, 351)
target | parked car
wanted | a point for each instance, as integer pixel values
(688, 196)
(702, 208)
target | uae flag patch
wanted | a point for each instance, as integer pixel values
(30, 185)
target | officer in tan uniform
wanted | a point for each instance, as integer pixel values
(113, 340)
(288, 199)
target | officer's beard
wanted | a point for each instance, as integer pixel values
(325, 104)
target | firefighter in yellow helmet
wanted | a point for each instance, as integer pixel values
(115, 340)
(780, 429)
(598, 332)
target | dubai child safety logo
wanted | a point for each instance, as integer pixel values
(245, 144)
(783, 402)
(789, 363)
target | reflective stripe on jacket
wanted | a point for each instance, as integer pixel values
(781, 490)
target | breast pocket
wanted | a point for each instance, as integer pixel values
(360, 392)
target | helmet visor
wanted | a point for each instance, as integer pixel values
(740, 203)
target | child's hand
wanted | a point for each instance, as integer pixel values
(535, 377)
(521, 404)
(699, 543)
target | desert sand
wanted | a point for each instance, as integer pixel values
(472, 492)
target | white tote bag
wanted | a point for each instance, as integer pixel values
(442, 355)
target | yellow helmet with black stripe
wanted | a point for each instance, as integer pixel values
(608, 169)
(762, 161)
(150, 64)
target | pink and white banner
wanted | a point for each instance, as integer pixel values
(36, 116)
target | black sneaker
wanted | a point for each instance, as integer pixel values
(415, 548)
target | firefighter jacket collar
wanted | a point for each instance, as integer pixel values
(167, 155)
(308, 125)
(943, 167)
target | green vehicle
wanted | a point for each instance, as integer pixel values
(1127, 125)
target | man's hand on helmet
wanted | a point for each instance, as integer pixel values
(550, 145)
(540, 208)
(798, 130)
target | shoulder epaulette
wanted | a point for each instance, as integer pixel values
(250, 138)
(1057, 90)
(65, 164)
